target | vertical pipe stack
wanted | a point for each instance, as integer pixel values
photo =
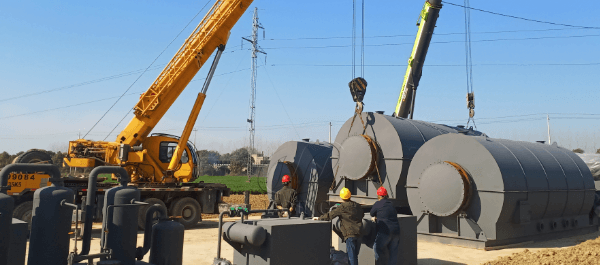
(51, 222)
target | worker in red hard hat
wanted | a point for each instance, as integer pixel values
(387, 239)
(286, 197)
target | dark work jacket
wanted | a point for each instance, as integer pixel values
(286, 198)
(387, 219)
(350, 214)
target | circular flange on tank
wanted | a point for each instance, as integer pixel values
(357, 157)
(445, 188)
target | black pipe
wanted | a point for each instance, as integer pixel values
(148, 228)
(91, 198)
(220, 233)
(25, 167)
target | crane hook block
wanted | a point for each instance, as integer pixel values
(358, 88)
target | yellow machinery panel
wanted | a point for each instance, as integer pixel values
(18, 182)
(136, 157)
(79, 162)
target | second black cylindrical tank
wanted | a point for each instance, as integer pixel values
(121, 222)
(167, 243)
(309, 165)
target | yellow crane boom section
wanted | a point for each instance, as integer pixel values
(212, 31)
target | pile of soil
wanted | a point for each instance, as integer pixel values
(257, 201)
(587, 252)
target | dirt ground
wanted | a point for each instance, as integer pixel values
(587, 252)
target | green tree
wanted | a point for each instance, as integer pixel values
(578, 150)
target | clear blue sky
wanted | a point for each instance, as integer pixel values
(92, 50)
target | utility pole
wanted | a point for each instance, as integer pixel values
(251, 120)
(329, 132)
(548, 122)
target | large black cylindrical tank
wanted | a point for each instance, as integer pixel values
(122, 223)
(498, 192)
(167, 243)
(309, 164)
(50, 225)
(365, 158)
(6, 209)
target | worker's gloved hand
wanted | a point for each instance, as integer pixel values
(285, 214)
(291, 209)
(374, 219)
(279, 207)
(316, 218)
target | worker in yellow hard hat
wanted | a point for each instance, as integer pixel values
(350, 214)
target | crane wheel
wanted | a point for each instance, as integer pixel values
(24, 212)
(34, 156)
(188, 210)
(144, 209)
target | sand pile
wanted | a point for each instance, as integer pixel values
(587, 252)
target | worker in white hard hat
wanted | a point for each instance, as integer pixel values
(350, 214)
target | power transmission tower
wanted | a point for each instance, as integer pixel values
(255, 50)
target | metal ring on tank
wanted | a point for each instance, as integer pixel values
(467, 185)
(374, 154)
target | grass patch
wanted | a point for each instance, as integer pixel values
(238, 184)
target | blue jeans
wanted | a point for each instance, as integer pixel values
(352, 248)
(386, 248)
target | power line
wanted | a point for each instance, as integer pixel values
(439, 42)
(282, 105)
(140, 76)
(82, 83)
(521, 18)
(542, 115)
(435, 33)
(99, 100)
(445, 65)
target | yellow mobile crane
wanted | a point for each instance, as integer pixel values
(164, 158)
(161, 165)
(426, 24)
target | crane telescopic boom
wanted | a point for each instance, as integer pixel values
(427, 21)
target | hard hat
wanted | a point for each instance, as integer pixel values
(285, 179)
(345, 194)
(381, 191)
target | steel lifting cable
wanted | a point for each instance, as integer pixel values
(353, 38)
(469, 65)
(362, 45)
